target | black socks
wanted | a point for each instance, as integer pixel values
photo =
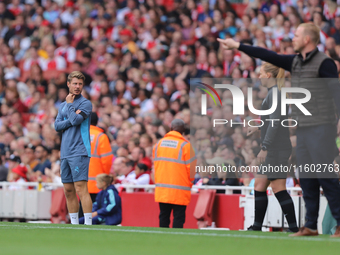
(286, 203)
(288, 210)
(261, 202)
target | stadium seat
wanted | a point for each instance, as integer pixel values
(79, 55)
(25, 75)
(20, 64)
(203, 209)
(239, 8)
(26, 117)
(50, 74)
(58, 207)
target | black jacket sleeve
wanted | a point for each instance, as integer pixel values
(328, 69)
(283, 61)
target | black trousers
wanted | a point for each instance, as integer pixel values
(165, 212)
(93, 198)
(316, 145)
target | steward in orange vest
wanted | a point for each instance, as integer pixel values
(173, 159)
(101, 155)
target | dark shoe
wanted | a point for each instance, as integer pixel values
(252, 228)
(306, 232)
(291, 230)
(337, 232)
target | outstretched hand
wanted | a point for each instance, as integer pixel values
(229, 44)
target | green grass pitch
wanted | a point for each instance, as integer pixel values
(54, 239)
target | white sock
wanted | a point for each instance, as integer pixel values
(74, 218)
(88, 218)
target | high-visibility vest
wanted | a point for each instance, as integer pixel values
(173, 159)
(101, 157)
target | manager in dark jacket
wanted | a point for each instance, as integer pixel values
(316, 133)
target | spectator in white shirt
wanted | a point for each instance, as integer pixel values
(65, 50)
(124, 169)
(19, 176)
(53, 62)
(146, 104)
(142, 175)
(68, 16)
(11, 70)
(32, 59)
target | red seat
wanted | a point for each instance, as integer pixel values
(26, 117)
(239, 8)
(79, 55)
(52, 74)
(25, 75)
(58, 209)
(20, 64)
(203, 209)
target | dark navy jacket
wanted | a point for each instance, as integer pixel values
(108, 206)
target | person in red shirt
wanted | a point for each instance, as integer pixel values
(54, 62)
(13, 100)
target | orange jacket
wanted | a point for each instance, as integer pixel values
(101, 157)
(173, 159)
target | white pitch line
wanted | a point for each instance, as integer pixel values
(118, 229)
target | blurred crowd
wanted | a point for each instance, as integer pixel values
(138, 58)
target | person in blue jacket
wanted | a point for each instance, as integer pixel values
(107, 208)
(73, 122)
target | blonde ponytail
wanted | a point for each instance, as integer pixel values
(277, 73)
(107, 178)
(281, 78)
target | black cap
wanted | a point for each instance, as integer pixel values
(169, 29)
(44, 148)
(56, 147)
(99, 72)
(226, 141)
(14, 158)
(107, 16)
(94, 119)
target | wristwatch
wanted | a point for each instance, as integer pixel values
(264, 148)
